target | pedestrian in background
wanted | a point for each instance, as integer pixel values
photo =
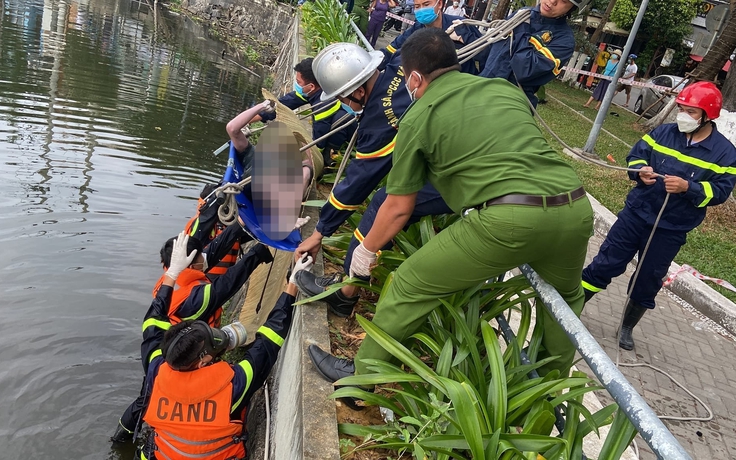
(455, 10)
(628, 78)
(603, 84)
(377, 10)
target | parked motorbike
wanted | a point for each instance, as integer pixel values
(393, 22)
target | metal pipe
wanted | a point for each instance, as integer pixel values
(606, 103)
(357, 31)
(330, 133)
(313, 108)
(344, 161)
(650, 427)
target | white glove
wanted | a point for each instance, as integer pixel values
(301, 222)
(305, 263)
(179, 258)
(362, 261)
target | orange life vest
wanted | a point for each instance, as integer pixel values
(188, 280)
(190, 414)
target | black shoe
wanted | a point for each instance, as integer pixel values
(338, 303)
(122, 435)
(329, 367)
(588, 295)
(634, 313)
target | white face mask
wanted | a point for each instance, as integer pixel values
(412, 93)
(686, 123)
(456, 4)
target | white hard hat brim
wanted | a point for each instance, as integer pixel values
(355, 83)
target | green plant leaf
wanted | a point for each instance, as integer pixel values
(619, 437)
(497, 391)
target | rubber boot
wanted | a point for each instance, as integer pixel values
(634, 312)
(122, 435)
(588, 295)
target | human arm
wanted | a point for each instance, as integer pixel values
(251, 373)
(713, 189)
(535, 61)
(205, 299)
(223, 243)
(235, 126)
(640, 158)
(391, 218)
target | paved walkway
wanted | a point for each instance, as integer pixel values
(678, 340)
(688, 347)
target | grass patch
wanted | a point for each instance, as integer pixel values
(710, 248)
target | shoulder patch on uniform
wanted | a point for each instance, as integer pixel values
(546, 36)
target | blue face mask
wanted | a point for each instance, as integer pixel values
(350, 110)
(299, 89)
(426, 15)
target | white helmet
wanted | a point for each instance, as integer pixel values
(341, 68)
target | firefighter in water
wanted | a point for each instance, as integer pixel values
(195, 298)
(196, 403)
(693, 163)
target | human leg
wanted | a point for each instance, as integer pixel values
(617, 250)
(374, 27)
(481, 245)
(562, 244)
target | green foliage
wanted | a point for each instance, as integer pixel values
(665, 23)
(325, 22)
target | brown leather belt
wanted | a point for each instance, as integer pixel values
(536, 200)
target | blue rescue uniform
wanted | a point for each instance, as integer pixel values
(322, 122)
(251, 372)
(377, 131)
(469, 34)
(710, 169)
(533, 55)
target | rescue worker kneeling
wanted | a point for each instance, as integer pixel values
(198, 403)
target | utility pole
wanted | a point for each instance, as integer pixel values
(606, 104)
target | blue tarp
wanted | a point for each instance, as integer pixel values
(234, 173)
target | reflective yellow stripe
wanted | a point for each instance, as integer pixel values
(390, 49)
(327, 113)
(687, 159)
(382, 152)
(341, 206)
(547, 53)
(154, 354)
(194, 227)
(637, 162)
(590, 287)
(143, 456)
(301, 97)
(358, 236)
(248, 379)
(708, 190)
(271, 334)
(165, 325)
(205, 303)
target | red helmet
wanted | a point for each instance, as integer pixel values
(703, 95)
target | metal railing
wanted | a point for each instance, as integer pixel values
(650, 427)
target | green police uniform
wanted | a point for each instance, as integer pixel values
(474, 139)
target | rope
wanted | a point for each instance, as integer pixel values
(495, 31)
(589, 159)
(228, 211)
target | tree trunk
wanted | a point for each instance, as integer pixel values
(721, 50)
(501, 10)
(729, 90)
(599, 30)
(667, 114)
(652, 66)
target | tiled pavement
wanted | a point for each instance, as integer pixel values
(687, 346)
(680, 342)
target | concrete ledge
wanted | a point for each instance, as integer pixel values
(690, 289)
(303, 417)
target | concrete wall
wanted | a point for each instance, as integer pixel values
(265, 21)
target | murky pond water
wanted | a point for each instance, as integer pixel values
(109, 114)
